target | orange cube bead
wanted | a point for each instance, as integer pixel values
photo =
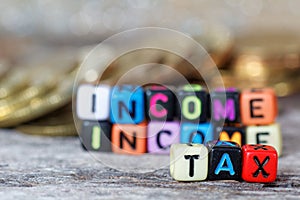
(258, 106)
(129, 138)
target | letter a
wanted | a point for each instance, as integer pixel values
(225, 167)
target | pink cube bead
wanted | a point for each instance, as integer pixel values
(161, 135)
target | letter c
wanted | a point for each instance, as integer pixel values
(154, 99)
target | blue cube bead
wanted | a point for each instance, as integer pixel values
(196, 133)
(127, 104)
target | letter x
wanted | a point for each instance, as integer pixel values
(191, 158)
(261, 167)
(263, 147)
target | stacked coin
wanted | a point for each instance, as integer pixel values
(57, 123)
(29, 93)
(267, 59)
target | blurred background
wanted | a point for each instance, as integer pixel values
(254, 43)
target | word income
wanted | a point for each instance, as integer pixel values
(249, 117)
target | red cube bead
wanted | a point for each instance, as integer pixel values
(259, 163)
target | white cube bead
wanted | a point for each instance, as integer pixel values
(93, 102)
(188, 162)
(269, 135)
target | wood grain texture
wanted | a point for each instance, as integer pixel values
(52, 168)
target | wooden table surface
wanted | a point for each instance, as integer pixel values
(53, 168)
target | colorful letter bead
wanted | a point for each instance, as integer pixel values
(225, 106)
(225, 159)
(196, 133)
(232, 134)
(188, 162)
(269, 135)
(258, 106)
(93, 102)
(161, 135)
(193, 102)
(127, 104)
(259, 163)
(95, 136)
(160, 103)
(129, 138)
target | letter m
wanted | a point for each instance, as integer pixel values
(221, 112)
(235, 137)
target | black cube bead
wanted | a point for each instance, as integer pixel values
(193, 104)
(225, 106)
(225, 161)
(96, 136)
(161, 103)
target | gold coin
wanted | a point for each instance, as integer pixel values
(266, 60)
(41, 105)
(39, 85)
(22, 98)
(15, 81)
(38, 89)
(57, 123)
(63, 115)
(55, 130)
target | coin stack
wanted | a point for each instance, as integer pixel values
(265, 60)
(31, 92)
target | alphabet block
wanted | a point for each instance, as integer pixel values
(127, 104)
(235, 134)
(225, 106)
(268, 135)
(259, 163)
(129, 138)
(93, 102)
(193, 101)
(161, 135)
(160, 104)
(188, 162)
(258, 106)
(95, 136)
(225, 159)
(196, 133)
